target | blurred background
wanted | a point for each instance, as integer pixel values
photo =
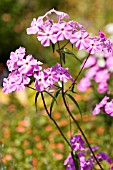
(29, 140)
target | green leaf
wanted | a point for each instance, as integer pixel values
(75, 102)
(51, 95)
(66, 51)
(53, 47)
(36, 97)
(53, 101)
(76, 160)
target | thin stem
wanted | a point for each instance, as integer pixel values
(30, 87)
(67, 108)
(60, 53)
(54, 120)
(80, 72)
(64, 45)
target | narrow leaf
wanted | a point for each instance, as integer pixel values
(52, 103)
(75, 102)
(36, 97)
(66, 51)
(51, 95)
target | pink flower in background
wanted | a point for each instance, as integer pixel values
(90, 62)
(109, 108)
(83, 84)
(102, 87)
(102, 76)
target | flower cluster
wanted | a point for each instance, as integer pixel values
(22, 69)
(49, 31)
(105, 106)
(86, 163)
(99, 67)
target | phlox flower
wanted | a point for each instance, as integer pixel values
(28, 65)
(51, 76)
(14, 58)
(46, 36)
(102, 76)
(60, 15)
(100, 105)
(35, 26)
(103, 156)
(109, 108)
(8, 87)
(94, 45)
(77, 143)
(102, 87)
(79, 38)
(91, 72)
(15, 81)
(62, 30)
(84, 84)
(40, 82)
(109, 63)
(62, 73)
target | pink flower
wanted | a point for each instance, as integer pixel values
(46, 36)
(84, 84)
(109, 108)
(94, 45)
(80, 39)
(35, 26)
(62, 30)
(90, 62)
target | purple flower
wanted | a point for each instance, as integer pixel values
(51, 76)
(80, 39)
(35, 26)
(46, 36)
(62, 73)
(77, 143)
(99, 76)
(103, 156)
(29, 65)
(102, 87)
(94, 45)
(15, 81)
(40, 82)
(90, 62)
(8, 87)
(15, 57)
(91, 72)
(109, 63)
(62, 30)
(60, 15)
(69, 163)
(100, 105)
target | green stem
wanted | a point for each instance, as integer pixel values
(79, 72)
(54, 121)
(67, 108)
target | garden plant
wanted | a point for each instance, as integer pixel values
(58, 32)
